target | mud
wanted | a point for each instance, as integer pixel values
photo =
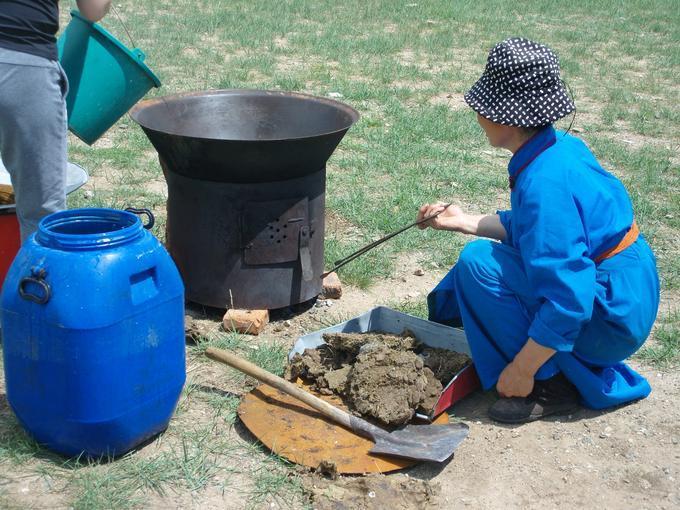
(431, 393)
(328, 364)
(346, 346)
(336, 380)
(192, 332)
(327, 469)
(444, 364)
(307, 365)
(378, 375)
(375, 491)
(389, 385)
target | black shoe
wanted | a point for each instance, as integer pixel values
(552, 396)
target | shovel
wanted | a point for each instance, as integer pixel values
(419, 442)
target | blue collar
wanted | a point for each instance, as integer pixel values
(530, 151)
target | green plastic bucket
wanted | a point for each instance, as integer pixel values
(105, 78)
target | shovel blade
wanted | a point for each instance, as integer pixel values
(422, 442)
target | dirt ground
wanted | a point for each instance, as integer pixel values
(628, 457)
(397, 492)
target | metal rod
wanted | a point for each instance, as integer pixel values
(117, 14)
(368, 247)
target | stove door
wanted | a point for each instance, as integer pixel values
(271, 231)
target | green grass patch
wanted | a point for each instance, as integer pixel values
(229, 341)
(16, 447)
(190, 465)
(271, 357)
(278, 483)
(663, 349)
(397, 62)
(224, 404)
(415, 307)
(98, 487)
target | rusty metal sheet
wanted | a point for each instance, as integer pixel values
(297, 432)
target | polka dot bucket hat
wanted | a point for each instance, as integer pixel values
(520, 86)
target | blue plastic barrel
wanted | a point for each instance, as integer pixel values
(92, 314)
(105, 77)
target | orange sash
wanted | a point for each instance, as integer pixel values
(630, 237)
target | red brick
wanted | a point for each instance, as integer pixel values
(251, 322)
(332, 288)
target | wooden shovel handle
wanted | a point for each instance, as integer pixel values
(279, 383)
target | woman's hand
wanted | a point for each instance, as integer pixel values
(93, 10)
(514, 382)
(517, 379)
(450, 218)
(453, 218)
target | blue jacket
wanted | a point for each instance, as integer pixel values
(567, 210)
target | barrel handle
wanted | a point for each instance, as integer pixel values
(149, 214)
(37, 277)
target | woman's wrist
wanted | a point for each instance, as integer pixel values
(532, 357)
(463, 223)
(484, 225)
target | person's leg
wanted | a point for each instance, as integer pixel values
(33, 139)
(496, 307)
(489, 291)
(626, 303)
(442, 302)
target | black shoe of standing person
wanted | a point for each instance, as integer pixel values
(551, 396)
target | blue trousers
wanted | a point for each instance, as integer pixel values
(487, 292)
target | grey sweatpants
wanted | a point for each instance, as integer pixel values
(33, 134)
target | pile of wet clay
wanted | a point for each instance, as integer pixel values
(382, 376)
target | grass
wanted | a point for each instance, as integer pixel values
(16, 447)
(193, 456)
(397, 63)
(664, 349)
(404, 65)
(277, 483)
(417, 308)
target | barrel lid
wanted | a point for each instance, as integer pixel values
(136, 54)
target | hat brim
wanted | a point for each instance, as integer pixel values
(519, 108)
